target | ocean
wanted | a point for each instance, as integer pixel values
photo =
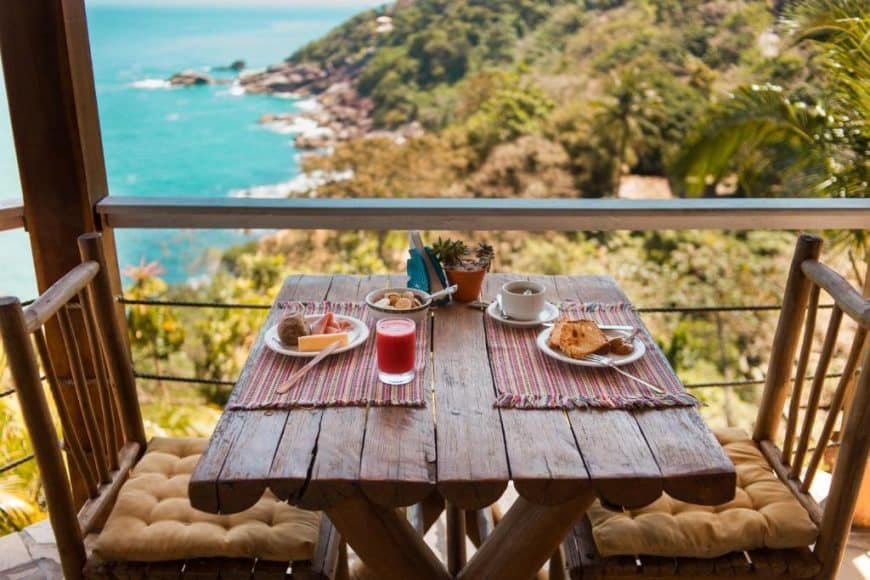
(161, 141)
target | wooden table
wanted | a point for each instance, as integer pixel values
(358, 464)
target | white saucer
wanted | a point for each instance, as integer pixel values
(358, 335)
(548, 314)
(618, 359)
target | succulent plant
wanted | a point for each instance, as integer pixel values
(451, 253)
(484, 254)
(456, 254)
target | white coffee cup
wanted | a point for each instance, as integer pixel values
(522, 299)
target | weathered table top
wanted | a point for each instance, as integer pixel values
(396, 456)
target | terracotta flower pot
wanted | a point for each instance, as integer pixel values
(469, 282)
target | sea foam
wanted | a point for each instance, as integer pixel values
(151, 84)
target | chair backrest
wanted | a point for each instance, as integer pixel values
(94, 396)
(797, 451)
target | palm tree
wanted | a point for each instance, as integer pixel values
(815, 148)
(625, 119)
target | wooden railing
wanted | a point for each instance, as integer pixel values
(484, 214)
(11, 215)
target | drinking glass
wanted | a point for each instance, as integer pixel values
(396, 346)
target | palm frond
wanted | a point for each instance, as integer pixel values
(755, 116)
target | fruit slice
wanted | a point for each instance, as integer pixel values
(316, 342)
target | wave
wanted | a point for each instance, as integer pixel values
(299, 126)
(151, 84)
(302, 184)
(308, 105)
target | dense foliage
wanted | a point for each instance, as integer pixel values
(720, 98)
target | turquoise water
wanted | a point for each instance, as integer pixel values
(198, 141)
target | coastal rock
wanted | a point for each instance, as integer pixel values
(190, 78)
(236, 65)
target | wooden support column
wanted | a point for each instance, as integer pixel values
(52, 102)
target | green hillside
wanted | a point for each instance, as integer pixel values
(603, 88)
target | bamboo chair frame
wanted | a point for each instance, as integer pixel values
(97, 408)
(794, 462)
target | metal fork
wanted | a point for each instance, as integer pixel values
(607, 361)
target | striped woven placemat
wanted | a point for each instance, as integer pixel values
(341, 380)
(526, 378)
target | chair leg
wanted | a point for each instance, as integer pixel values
(557, 566)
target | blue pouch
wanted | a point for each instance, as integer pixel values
(418, 277)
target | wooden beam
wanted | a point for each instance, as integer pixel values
(485, 214)
(11, 214)
(53, 111)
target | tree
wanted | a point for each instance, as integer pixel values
(626, 118)
(767, 137)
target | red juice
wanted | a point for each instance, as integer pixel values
(396, 343)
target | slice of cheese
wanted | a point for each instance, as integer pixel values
(315, 342)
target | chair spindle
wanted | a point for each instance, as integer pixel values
(71, 437)
(800, 376)
(816, 390)
(83, 394)
(836, 406)
(103, 388)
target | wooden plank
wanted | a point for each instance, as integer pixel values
(546, 466)
(621, 466)
(485, 214)
(693, 466)
(335, 467)
(245, 475)
(203, 487)
(289, 466)
(472, 463)
(398, 466)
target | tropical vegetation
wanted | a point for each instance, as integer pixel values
(541, 99)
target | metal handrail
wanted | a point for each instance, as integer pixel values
(484, 214)
(11, 214)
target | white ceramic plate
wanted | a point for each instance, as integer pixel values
(358, 335)
(548, 314)
(618, 359)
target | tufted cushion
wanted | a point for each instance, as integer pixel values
(153, 520)
(762, 514)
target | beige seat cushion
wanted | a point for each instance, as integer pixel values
(154, 521)
(762, 514)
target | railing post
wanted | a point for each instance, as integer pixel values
(785, 341)
(53, 110)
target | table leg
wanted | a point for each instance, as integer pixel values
(384, 540)
(455, 538)
(524, 539)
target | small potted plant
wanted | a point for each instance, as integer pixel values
(464, 267)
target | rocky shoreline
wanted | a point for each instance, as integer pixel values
(338, 112)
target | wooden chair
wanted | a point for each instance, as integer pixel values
(100, 419)
(803, 441)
